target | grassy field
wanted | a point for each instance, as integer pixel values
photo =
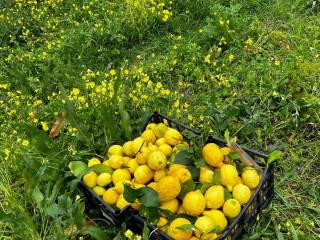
(249, 66)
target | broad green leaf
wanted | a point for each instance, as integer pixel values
(145, 232)
(97, 233)
(234, 155)
(277, 230)
(183, 157)
(227, 194)
(77, 167)
(274, 156)
(293, 232)
(186, 187)
(78, 214)
(200, 162)
(101, 168)
(131, 194)
(227, 136)
(195, 172)
(217, 177)
(215, 229)
(204, 186)
(186, 227)
(151, 214)
(125, 119)
(149, 197)
(37, 195)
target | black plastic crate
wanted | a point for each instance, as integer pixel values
(247, 217)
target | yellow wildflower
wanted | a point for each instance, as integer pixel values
(128, 233)
(44, 126)
(25, 143)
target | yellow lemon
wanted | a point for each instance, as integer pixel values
(160, 141)
(231, 208)
(171, 205)
(119, 187)
(182, 174)
(158, 175)
(168, 188)
(127, 149)
(162, 224)
(194, 238)
(99, 190)
(138, 185)
(153, 185)
(225, 150)
(136, 205)
(176, 233)
(152, 147)
(250, 177)
(90, 179)
(178, 148)
(166, 149)
(122, 202)
(194, 203)
(173, 136)
(132, 165)
(215, 197)
(138, 144)
(119, 175)
(160, 130)
(239, 180)
(93, 161)
(110, 196)
(149, 136)
(206, 175)
(229, 176)
(104, 179)
(106, 162)
(116, 161)
(175, 167)
(212, 155)
(126, 160)
(143, 174)
(241, 193)
(142, 156)
(218, 218)
(151, 126)
(204, 225)
(181, 209)
(157, 160)
(115, 150)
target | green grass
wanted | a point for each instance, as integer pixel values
(261, 83)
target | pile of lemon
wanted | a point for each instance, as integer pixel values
(144, 161)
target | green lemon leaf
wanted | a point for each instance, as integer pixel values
(149, 197)
(274, 156)
(186, 187)
(215, 229)
(152, 214)
(227, 194)
(183, 157)
(37, 195)
(204, 186)
(234, 155)
(186, 227)
(101, 168)
(145, 232)
(131, 194)
(97, 233)
(216, 177)
(195, 172)
(77, 167)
